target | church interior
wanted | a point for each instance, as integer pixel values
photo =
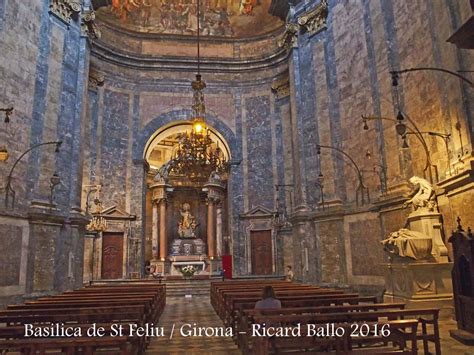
(164, 162)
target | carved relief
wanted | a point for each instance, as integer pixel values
(96, 79)
(281, 87)
(315, 20)
(64, 9)
(290, 36)
(88, 26)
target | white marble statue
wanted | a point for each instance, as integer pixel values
(423, 195)
(408, 243)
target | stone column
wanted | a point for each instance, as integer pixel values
(159, 233)
(210, 229)
(154, 231)
(219, 230)
(163, 236)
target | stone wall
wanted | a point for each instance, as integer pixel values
(341, 73)
(133, 104)
(43, 62)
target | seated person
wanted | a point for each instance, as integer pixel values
(268, 300)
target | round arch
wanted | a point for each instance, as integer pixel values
(170, 118)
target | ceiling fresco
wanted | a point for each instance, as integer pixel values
(224, 18)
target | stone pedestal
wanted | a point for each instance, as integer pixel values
(420, 284)
(429, 223)
(187, 247)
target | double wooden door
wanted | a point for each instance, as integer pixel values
(112, 256)
(261, 251)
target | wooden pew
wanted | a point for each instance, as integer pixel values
(246, 316)
(423, 316)
(114, 345)
(83, 308)
(402, 333)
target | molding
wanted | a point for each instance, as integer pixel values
(458, 183)
(314, 21)
(96, 79)
(289, 39)
(169, 63)
(258, 212)
(311, 21)
(186, 38)
(281, 87)
(64, 9)
(88, 27)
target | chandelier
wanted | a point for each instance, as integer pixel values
(196, 155)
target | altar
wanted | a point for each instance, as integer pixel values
(177, 265)
(187, 226)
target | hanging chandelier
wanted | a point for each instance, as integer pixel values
(196, 156)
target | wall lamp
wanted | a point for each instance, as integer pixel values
(9, 191)
(362, 192)
(403, 130)
(396, 74)
(4, 150)
(8, 111)
(381, 171)
(320, 185)
(282, 218)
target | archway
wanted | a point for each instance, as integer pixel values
(187, 217)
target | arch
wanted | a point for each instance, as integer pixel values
(169, 117)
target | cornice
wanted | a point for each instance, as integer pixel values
(186, 38)
(145, 62)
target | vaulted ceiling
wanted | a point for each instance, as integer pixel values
(219, 18)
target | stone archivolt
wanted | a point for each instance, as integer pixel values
(64, 9)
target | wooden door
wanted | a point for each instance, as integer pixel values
(261, 250)
(112, 256)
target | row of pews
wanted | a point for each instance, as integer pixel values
(314, 313)
(85, 320)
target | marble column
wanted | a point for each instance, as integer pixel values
(210, 229)
(154, 231)
(163, 236)
(219, 230)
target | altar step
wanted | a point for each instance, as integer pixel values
(194, 287)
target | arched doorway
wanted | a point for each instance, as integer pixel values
(187, 215)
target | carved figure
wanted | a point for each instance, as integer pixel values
(423, 195)
(408, 243)
(187, 225)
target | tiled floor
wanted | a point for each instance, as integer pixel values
(198, 310)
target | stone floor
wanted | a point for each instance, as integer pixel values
(198, 311)
(180, 310)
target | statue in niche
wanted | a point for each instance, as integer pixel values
(187, 225)
(423, 195)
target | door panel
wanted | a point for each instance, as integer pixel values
(112, 256)
(261, 244)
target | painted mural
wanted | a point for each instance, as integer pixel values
(228, 18)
